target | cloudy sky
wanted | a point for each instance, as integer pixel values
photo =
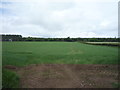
(59, 18)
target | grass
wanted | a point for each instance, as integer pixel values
(25, 53)
(116, 85)
(10, 79)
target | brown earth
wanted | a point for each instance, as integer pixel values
(66, 76)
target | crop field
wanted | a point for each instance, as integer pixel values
(24, 53)
(58, 61)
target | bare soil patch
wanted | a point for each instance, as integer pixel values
(10, 67)
(67, 76)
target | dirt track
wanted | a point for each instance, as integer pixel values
(67, 76)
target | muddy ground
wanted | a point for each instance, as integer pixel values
(67, 76)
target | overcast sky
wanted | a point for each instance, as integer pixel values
(59, 18)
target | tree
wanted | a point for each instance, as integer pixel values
(68, 39)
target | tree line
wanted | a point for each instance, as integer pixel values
(68, 39)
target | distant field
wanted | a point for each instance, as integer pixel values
(104, 43)
(25, 53)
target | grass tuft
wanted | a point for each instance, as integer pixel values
(9, 79)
